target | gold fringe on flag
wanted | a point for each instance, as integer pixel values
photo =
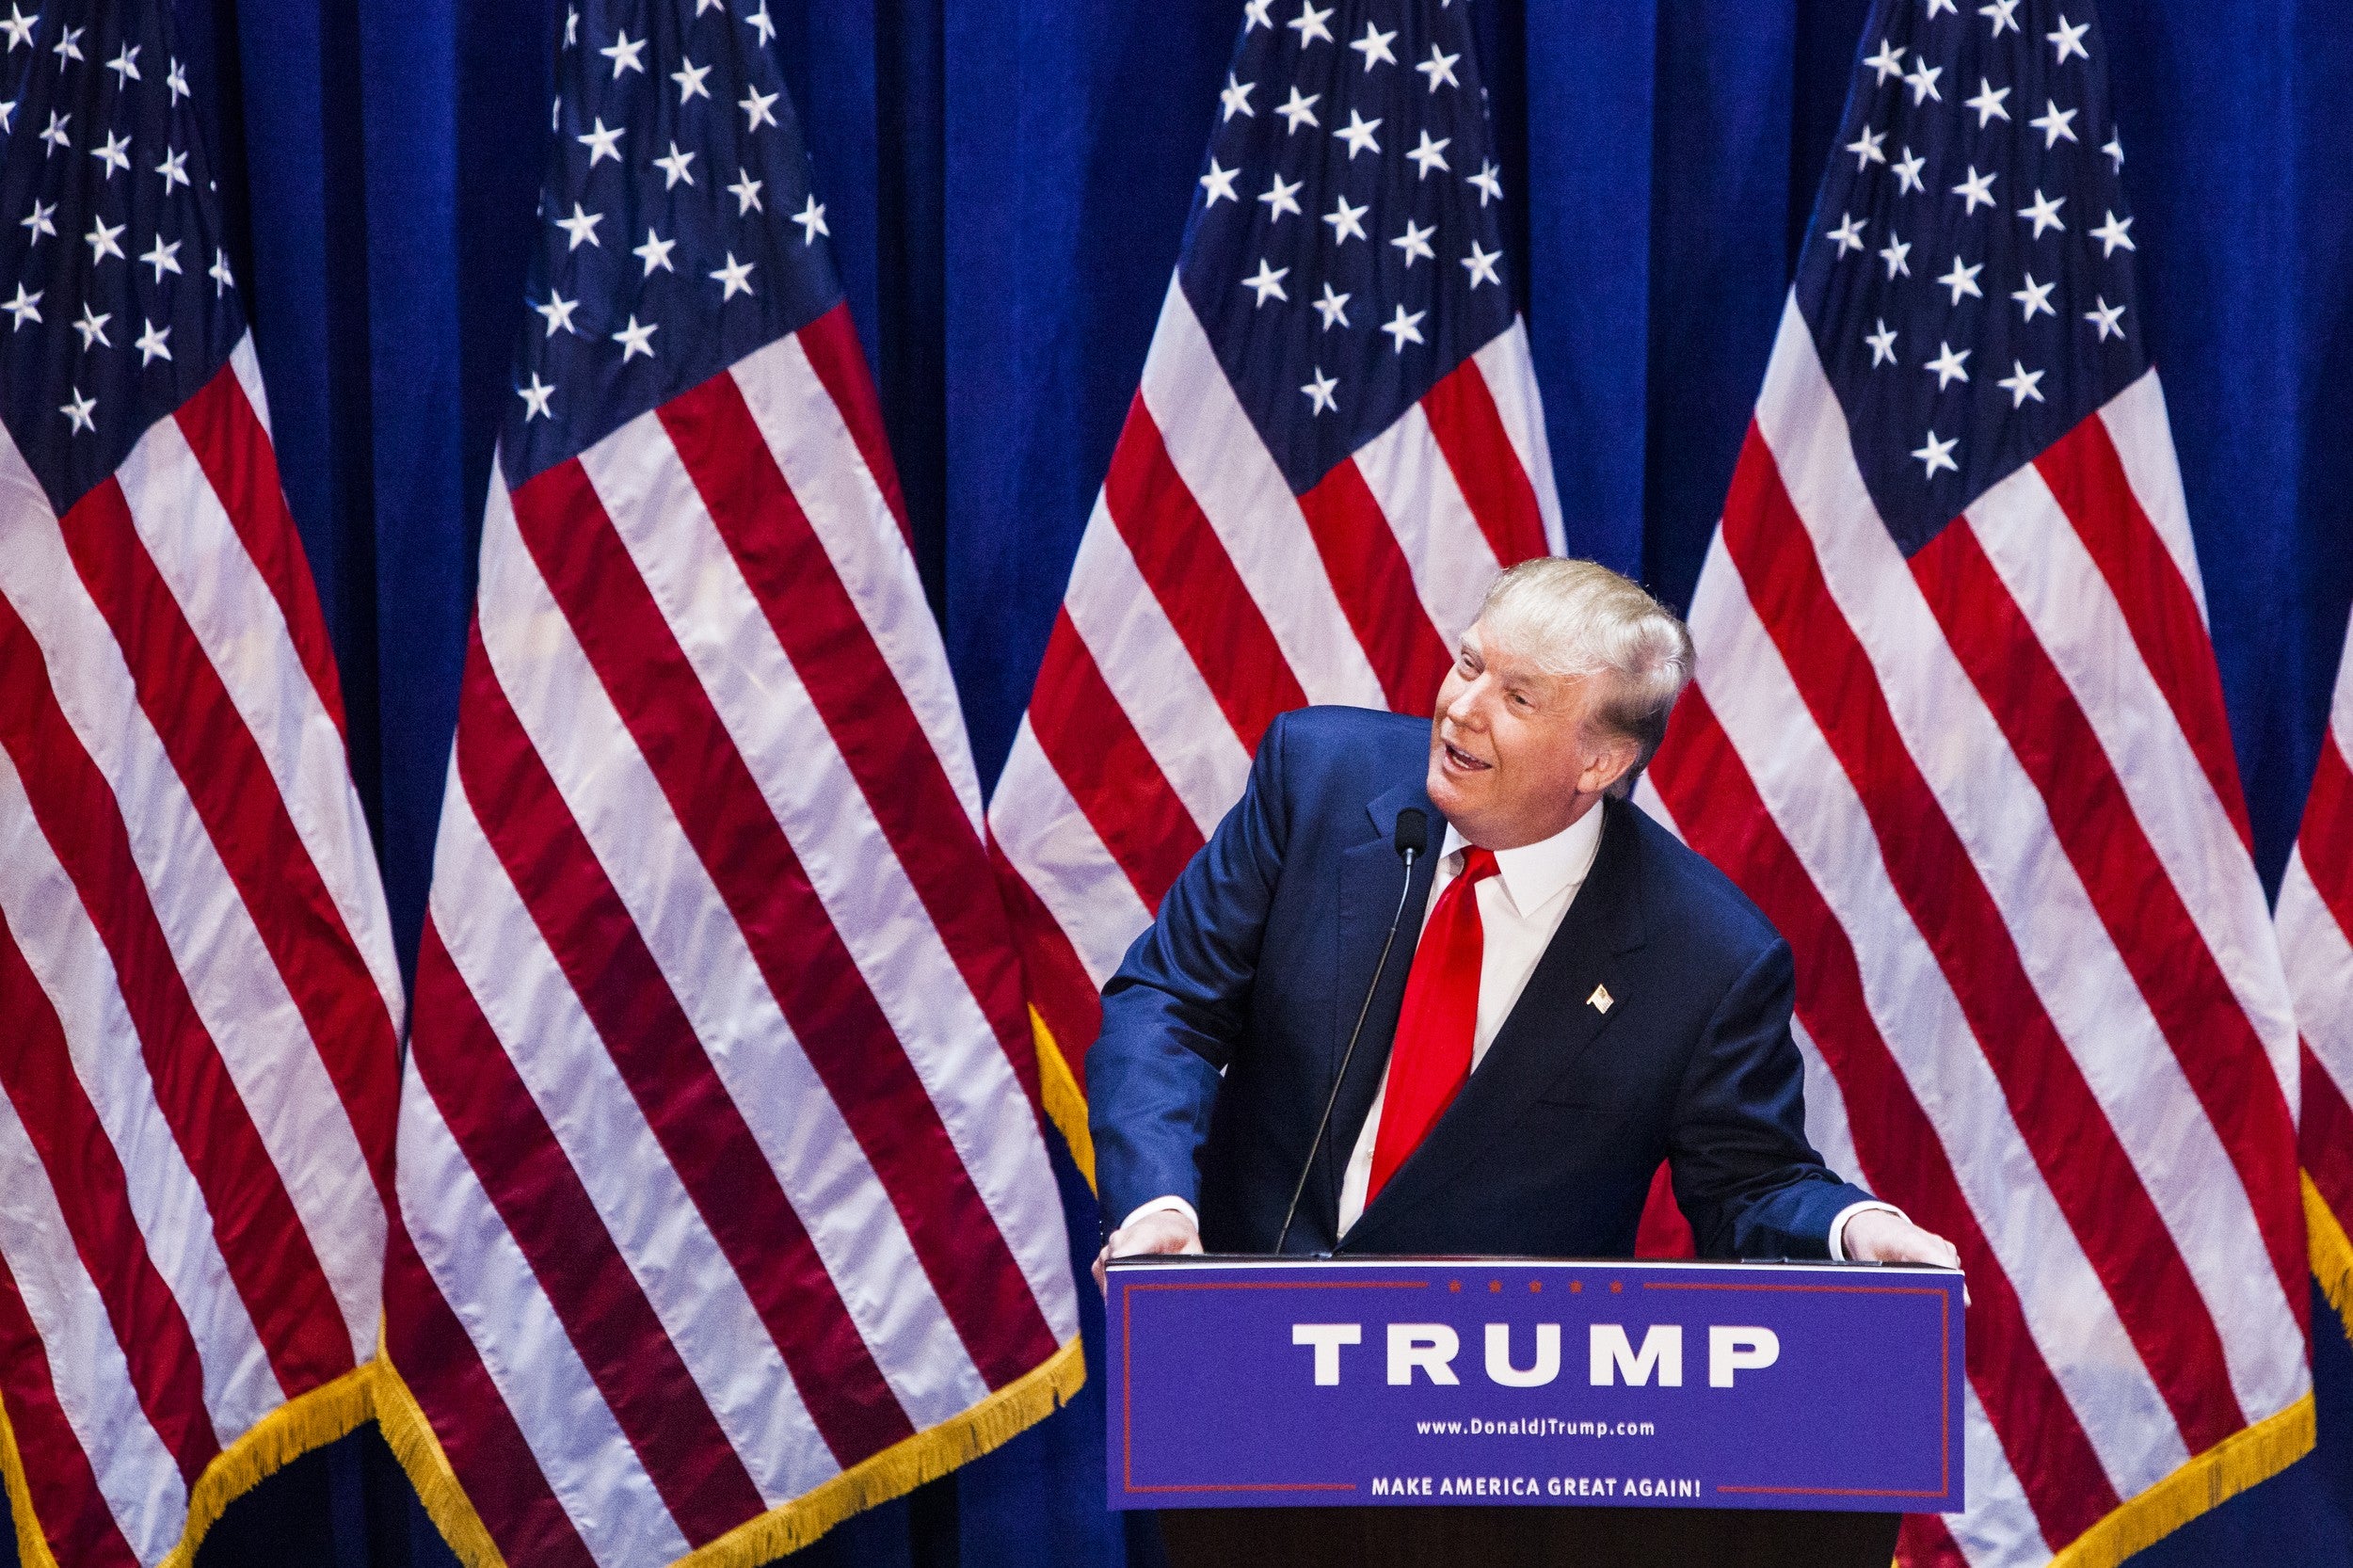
(1064, 1102)
(2331, 1253)
(2252, 1454)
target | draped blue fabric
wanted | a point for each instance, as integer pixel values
(1007, 182)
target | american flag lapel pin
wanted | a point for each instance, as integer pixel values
(1599, 1001)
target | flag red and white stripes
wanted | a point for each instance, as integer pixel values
(200, 1002)
(724, 1195)
(2316, 920)
(1988, 794)
(1206, 599)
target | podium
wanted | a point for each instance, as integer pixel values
(1509, 1411)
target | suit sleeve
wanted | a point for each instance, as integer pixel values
(1744, 1175)
(1173, 1014)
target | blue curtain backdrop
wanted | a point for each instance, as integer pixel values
(1007, 182)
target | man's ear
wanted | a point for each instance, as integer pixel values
(1608, 759)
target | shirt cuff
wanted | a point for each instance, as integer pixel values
(1175, 1205)
(1837, 1226)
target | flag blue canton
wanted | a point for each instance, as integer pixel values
(679, 231)
(1968, 277)
(123, 302)
(1345, 248)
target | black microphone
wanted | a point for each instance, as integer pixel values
(1410, 838)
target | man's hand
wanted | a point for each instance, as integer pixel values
(1163, 1230)
(1875, 1236)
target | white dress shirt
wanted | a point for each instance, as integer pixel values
(1520, 911)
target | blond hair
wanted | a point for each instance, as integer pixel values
(1579, 618)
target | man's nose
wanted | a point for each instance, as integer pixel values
(1468, 710)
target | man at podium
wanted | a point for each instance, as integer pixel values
(1439, 987)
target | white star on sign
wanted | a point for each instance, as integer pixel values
(655, 252)
(26, 307)
(1281, 199)
(68, 47)
(20, 28)
(55, 135)
(101, 240)
(150, 343)
(219, 272)
(1357, 132)
(1908, 172)
(1963, 279)
(535, 398)
(1268, 281)
(2002, 13)
(1888, 63)
(758, 110)
(38, 222)
(1309, 23)
(2114, 148)
(2111, 234)
(79, 411)
(1949, 365)
(1257, 15)
(601, 143)
(1430, 156)
(8, 116)
(735, 278)
(759, 23)
(1482, 265)
(177, 80)
(2054, 123)
(1319, 392)
(1921, 79)
(689, 77)
(93, 328)
(1374, 47)
(1347, 222)
(2069, 41)
(1849, 235)
(1219, 182)
(812, 217)
(746, 193)
(1439, 68)
(1977, 190)
(1333, 308)
(1488, 181)
(2019, 384)
(1936, 5)
(163, 257)
(1882, 343)
(1297, 111)
(2108, 319)
(2045, 211)
(115, 154)
(1236, 97)
(1404, 328)
(174, 169)
(1937, 454)
(623, 53)
(636, 339)
(582, 227)
(125, 65)
(1893, 253)
(1988, 102)
(558, 312)
(1866, 148)
(2035, 296)
(1416, 242)
(674, 166)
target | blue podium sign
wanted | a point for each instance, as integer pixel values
(1264, 1383)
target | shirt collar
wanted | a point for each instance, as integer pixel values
(1535, 875)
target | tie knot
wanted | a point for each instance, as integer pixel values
(1478, 863)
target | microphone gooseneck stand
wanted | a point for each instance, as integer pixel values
(1410, 836)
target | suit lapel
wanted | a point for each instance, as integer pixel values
(1550, 1026)
(1369, 875)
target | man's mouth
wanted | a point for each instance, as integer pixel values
(1464, 760)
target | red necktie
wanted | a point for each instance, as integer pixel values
(1433, 1053)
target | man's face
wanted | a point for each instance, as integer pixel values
(1512, 761)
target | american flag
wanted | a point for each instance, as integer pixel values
(200, 1007)
(725, 1194)
(2316, 920)
(1336, 445)
(1957, 729)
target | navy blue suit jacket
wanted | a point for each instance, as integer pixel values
(1225, 1027)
